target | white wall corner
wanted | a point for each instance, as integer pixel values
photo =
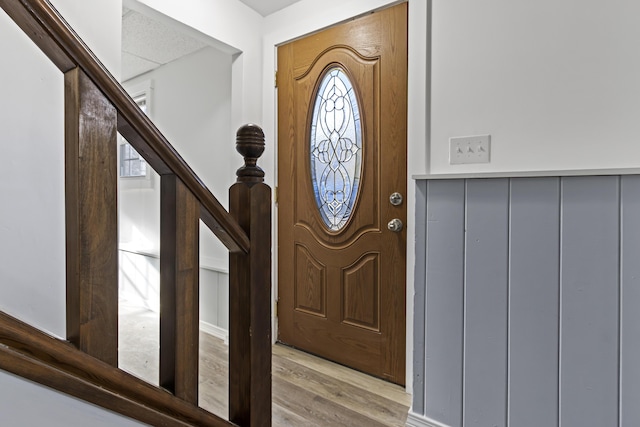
(215, 331)
(416, 420)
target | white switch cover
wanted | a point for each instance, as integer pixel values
(469, 149)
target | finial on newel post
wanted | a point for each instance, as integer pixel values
(250, 144)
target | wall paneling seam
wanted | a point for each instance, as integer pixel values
(464, 304)
(620, 292)
(508, 329)
(560, 271)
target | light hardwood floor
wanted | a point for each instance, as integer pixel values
(307, 390)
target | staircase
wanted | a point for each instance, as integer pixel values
(85, 364)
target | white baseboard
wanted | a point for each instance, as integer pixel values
(215, 331)
(415, 420)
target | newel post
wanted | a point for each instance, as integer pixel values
(250, 289)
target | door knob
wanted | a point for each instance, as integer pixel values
(395, 199)
(395, 225)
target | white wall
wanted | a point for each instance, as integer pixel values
(99, 24)
(232, 24)
(32, 263)
(191, 105)
(190, 102)
(555, 83)
(236, 26)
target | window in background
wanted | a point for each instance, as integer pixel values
(132, 165)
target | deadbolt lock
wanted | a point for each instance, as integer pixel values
(395, 199)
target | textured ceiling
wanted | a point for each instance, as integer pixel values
(267, 7)
(148, 44)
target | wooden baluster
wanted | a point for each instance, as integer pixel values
(250, 290)
(179, 275)
(91, 218)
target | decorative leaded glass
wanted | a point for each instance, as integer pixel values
(336, 148)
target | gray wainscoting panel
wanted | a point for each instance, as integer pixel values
(630, 300)
(444, 300)
(486, 275)
(534, 302)
(529, 308)
(589, 302)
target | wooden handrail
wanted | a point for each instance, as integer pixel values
(44, 25)
(32, 354)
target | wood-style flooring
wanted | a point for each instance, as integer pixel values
(307, 390)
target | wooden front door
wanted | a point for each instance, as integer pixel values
(342, 99)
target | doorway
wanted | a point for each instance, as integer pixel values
(342, 99)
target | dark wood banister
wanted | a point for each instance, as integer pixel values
(85, 366)
(44, 25)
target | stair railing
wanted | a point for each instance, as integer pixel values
(85, 366)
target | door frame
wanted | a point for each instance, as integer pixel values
(417, 117)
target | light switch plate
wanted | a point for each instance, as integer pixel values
(470, 149)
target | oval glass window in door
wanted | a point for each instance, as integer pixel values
(335, 148)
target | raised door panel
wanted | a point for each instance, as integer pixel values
(310, 283)
(361, 293)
